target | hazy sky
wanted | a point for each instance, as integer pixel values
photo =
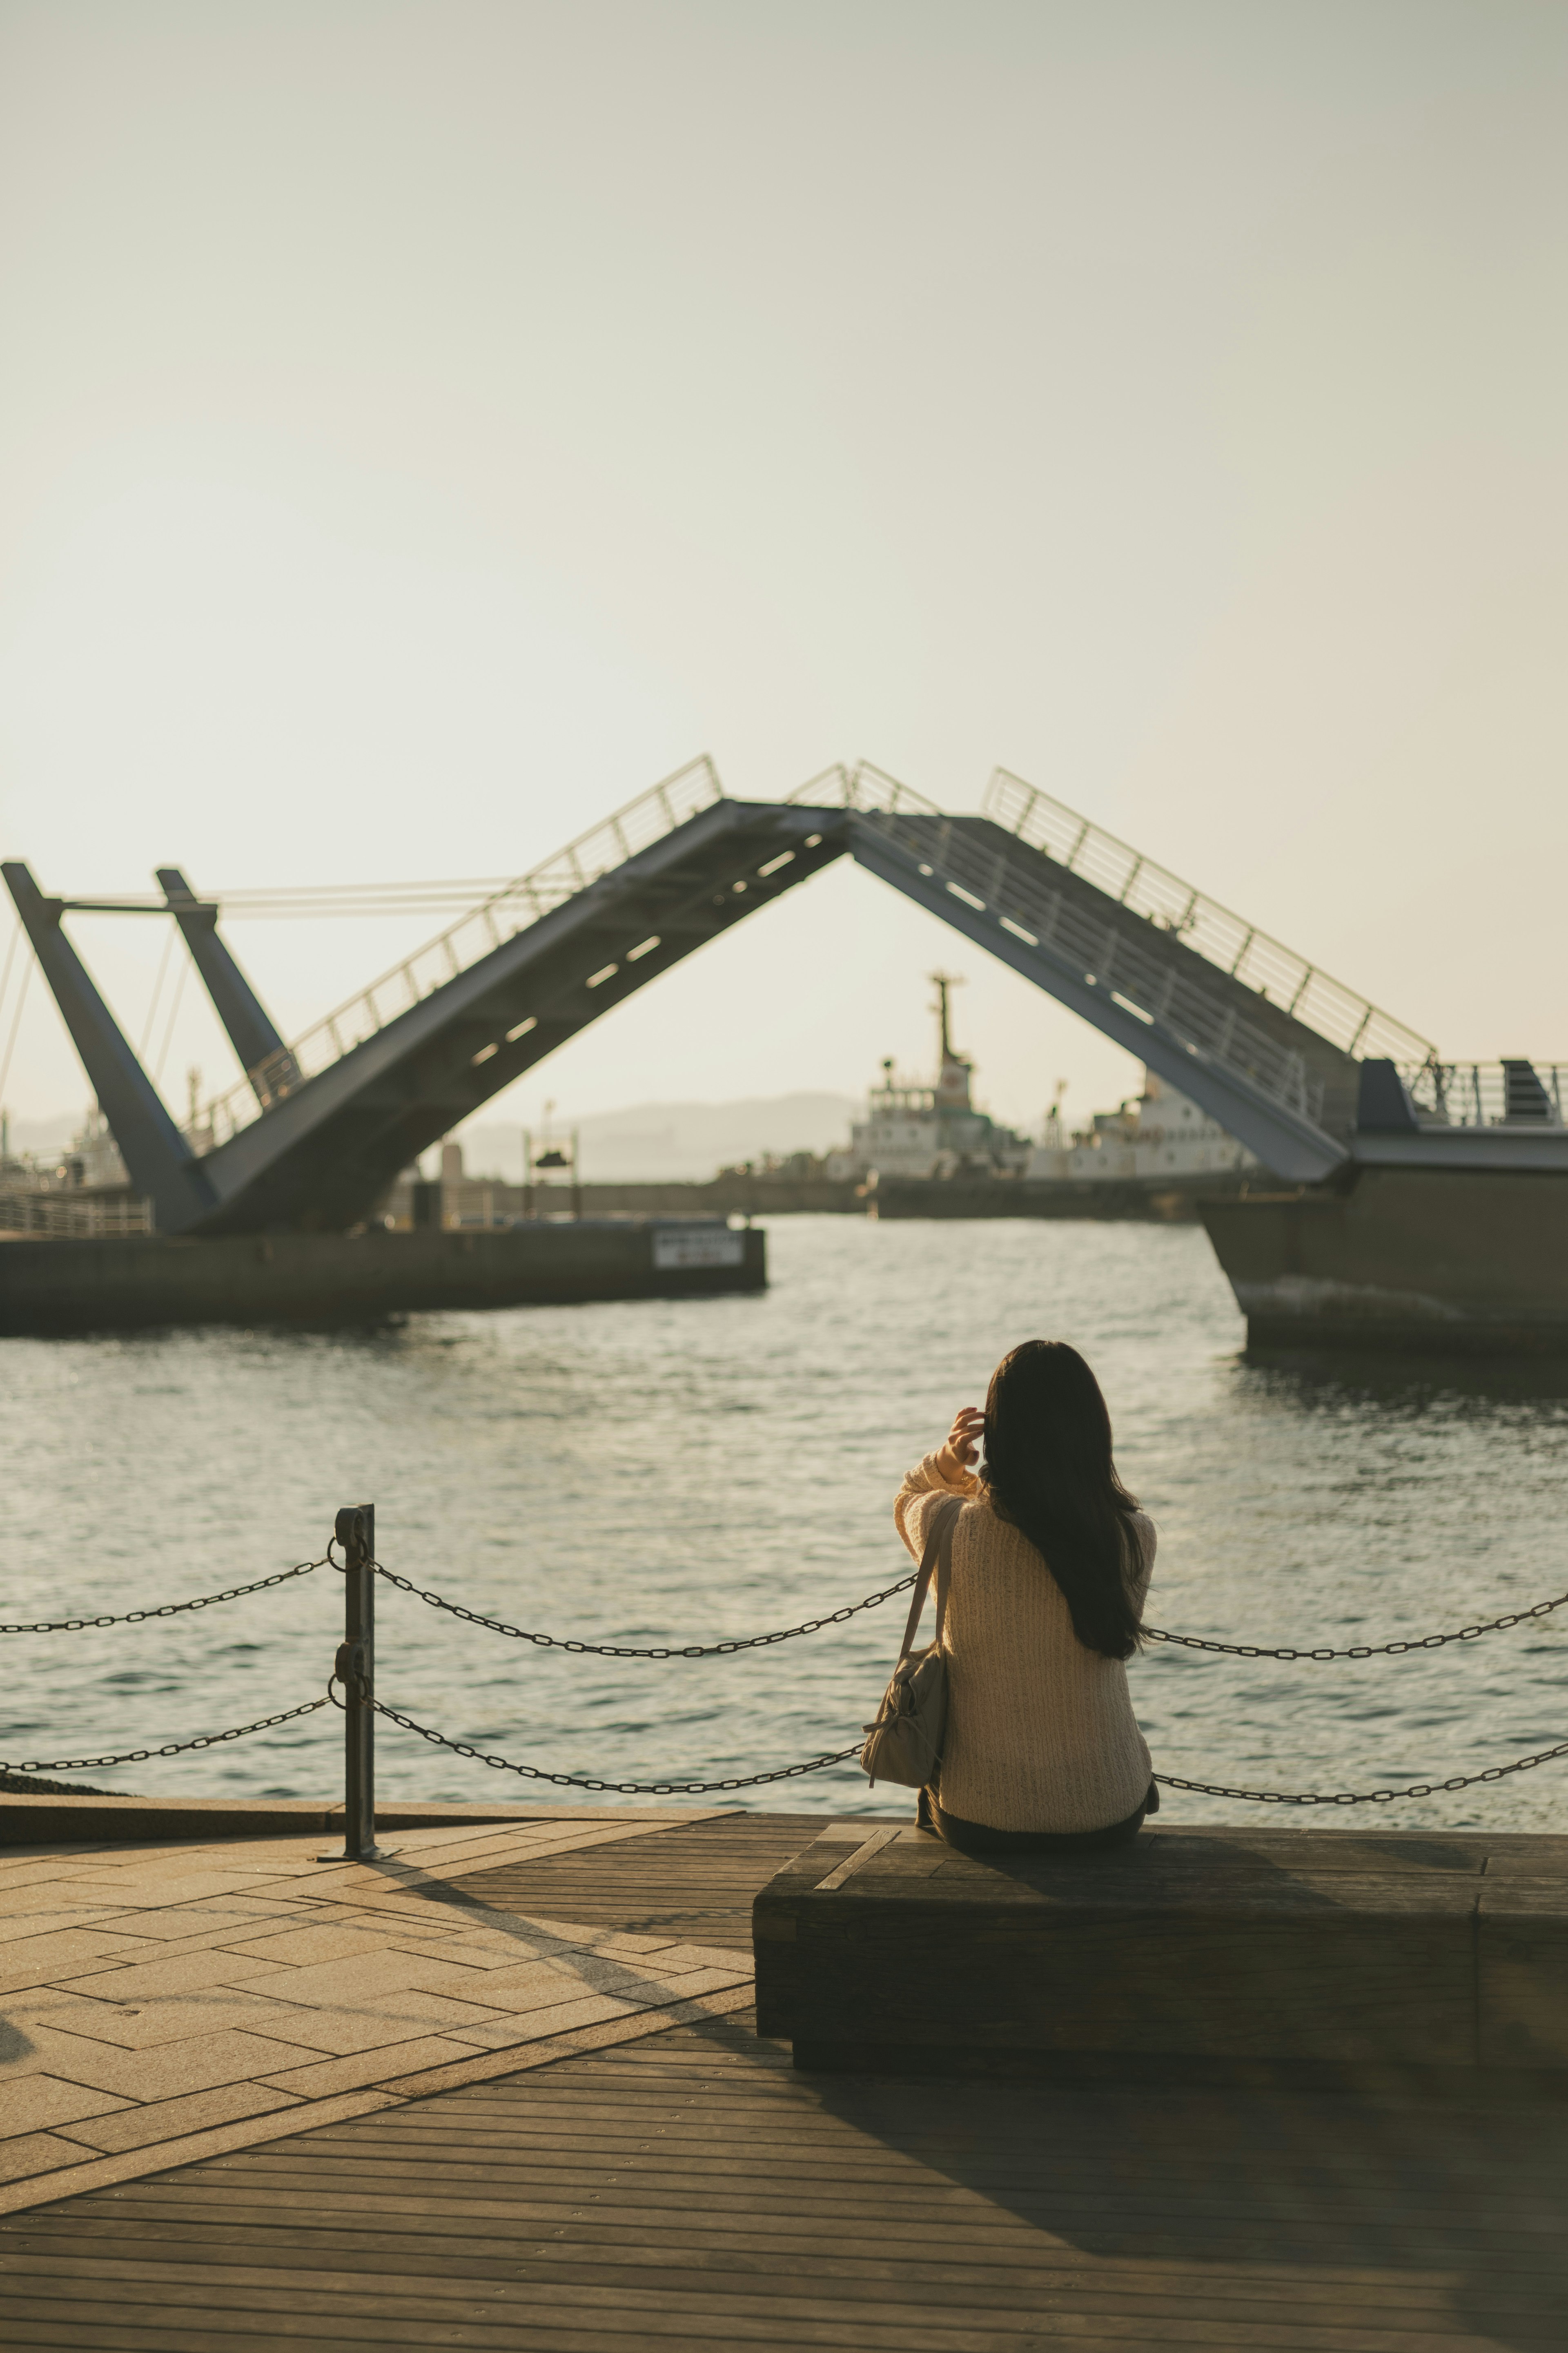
(423, 425)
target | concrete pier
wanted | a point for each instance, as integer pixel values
(1148, 1200)
(68, 1286)
(1468, 1261)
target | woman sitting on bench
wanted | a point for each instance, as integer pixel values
(1050, 1564)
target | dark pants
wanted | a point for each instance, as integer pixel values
(979, 1838)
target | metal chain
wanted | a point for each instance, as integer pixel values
(1365, 1797)
(171, 1608)
(620, 1788)
(757, 1641)
(873, 1600)
(1363, 1650)
(621, 1650)
(842, 1756)
(170, 1747)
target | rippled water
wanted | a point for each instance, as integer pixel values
(660, 1471)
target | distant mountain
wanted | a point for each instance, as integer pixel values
(673, 1141)
(648, 1141)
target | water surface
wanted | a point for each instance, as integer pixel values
(655, 1471)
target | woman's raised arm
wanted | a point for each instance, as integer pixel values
(944, 1472)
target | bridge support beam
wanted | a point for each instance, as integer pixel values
(155, 1152)
(263, 1055)
(1293, 1147)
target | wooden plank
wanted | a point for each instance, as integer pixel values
(962, 2278)
(1530, 1853)
(837, 2217)
(697, 1883)
(956, 2287)
(1286, 1846)
(823, 2171)
(1176, 2311)
(858, 1857)
(801, 2215)
(1521, 1963)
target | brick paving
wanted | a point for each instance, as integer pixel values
(165, 2004)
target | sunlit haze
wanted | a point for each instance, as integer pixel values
(428, 426)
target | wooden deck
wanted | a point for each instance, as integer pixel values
(697, 1884)
(688, 2187)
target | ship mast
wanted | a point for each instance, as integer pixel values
(954, 1073)
(944, 982)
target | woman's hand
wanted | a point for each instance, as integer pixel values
(959, 1454)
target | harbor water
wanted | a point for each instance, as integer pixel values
(656, 1471)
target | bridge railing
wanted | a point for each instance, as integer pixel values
(864, 787)
(1017, 892)
(484, 928)
(1489, 1095)
(1226, 941)
(63, 1210)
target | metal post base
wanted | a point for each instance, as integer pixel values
(370, 1855)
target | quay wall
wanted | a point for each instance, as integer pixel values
(723, 1196)
(66, 1285)
(1462, 1260)
(1161, 1200)
(479, 1199)
(1152, 1199)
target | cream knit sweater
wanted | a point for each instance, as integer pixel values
(1040, 1732)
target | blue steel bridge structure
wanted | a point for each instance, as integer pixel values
(1306, 1073)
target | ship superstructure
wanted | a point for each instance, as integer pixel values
(929, 1130)
(1158, 1138)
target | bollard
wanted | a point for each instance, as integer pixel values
(355, 1672)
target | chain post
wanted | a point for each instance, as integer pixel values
(355, 1671)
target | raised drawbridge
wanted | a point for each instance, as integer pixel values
(319, 1126)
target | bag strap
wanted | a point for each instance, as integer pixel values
(938, 1555)
(944, 1571)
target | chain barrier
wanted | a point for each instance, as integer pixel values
(1365, 1797)
(622, 1650)
(617, 1788)
(364, 1693)
(820, 1763)
(873, 1600)
(1363, 1650)
(174, 1608)
(842, 1756)
(756, 1642)
(169, 1748)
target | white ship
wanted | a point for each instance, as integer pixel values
(1152, 1137)
(928, 1130)
(933, 1131)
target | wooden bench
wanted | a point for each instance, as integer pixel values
(880, 1948)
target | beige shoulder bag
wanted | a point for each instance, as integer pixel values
(904, 1745)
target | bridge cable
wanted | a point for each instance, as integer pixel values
(10, 959)
(27, 971)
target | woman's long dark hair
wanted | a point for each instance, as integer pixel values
(1048, 1472)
